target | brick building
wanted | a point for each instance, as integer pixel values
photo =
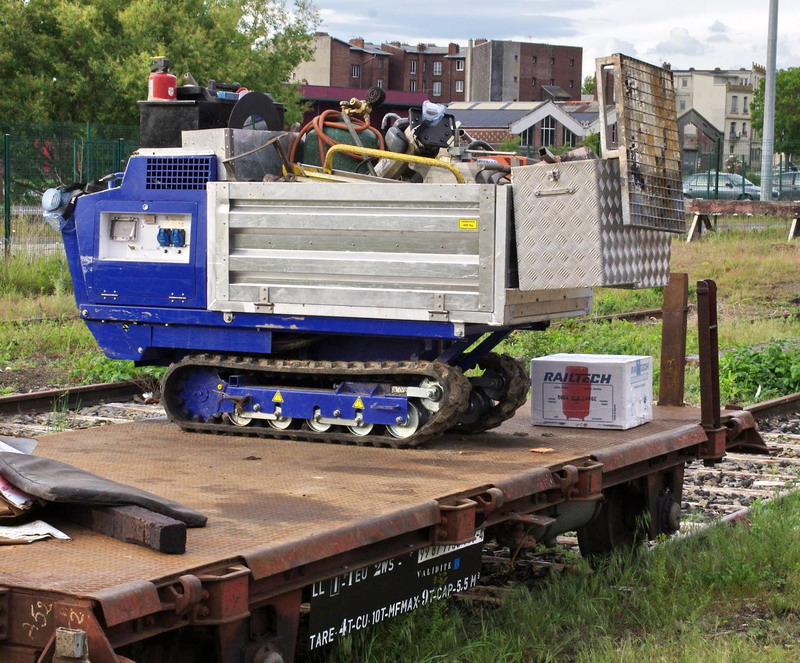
(484, 71)
(522, 71)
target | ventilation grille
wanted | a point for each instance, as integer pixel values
(178, 173)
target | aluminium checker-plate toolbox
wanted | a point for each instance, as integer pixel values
(607, 222)
(405, 251)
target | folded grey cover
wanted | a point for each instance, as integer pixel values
(55, 481)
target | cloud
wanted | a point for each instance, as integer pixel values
(718, 26)
(680, 42)
(620, 46)
(718, 39)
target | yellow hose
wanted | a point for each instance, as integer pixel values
(383, 154)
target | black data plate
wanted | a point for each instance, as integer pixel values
(367, 596)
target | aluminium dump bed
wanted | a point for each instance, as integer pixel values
(284, 514)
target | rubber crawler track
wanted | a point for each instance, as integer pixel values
(455, 388)
(516, 393)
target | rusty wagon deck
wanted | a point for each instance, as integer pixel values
(266, 500)
(283, 515)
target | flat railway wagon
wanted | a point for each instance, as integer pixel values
(308, 543)
(353, 311)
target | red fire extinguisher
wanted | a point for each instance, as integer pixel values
(161, 86)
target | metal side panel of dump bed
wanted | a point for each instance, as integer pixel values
(283, 515)
(403, 251)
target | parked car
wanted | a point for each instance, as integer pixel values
(731, 187)
(787, 183)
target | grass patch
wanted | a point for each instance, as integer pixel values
(29, 276)
(729, 595)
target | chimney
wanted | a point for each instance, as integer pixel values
(452, 48)
(480, 42)
(396, 44)
(421, 48)
(358, 42)
(320, 34)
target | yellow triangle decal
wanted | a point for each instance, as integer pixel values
(359, 404)
(277, 398)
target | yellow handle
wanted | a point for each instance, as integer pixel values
(383, 154)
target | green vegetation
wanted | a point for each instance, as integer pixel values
(89, 61)
(21, 275)
(787, 100)
(731, 594)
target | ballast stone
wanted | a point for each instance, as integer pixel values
(592, 391)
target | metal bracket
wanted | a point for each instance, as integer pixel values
(457, 523)
(555, 192)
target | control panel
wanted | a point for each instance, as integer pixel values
(143, 237)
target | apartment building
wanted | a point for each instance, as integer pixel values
(723, 98)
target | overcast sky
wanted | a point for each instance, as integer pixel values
(703, 34)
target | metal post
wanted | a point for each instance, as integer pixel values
(87, 155)
(719, 165)
(120, 153)
(673, 340)
(7, 192)
(768, 130)
(709, 353)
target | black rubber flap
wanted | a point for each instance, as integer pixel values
(54, 481)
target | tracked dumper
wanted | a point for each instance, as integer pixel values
(316, 303)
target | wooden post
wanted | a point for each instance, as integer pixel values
(673, 340)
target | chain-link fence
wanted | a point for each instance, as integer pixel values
(731, 169)
(42, 155)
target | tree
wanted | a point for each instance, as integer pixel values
(588, 85)
(88, 60)
(787, 101)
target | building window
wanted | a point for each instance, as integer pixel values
(379, 83)
(412, 86)
(734, 104)
(424, 66)
(380, 63)
(552, 60)
(526, 138)
(437, 68)
(568, 138)
(459, 65)
(413, 69)
(744, 128)
(733, 129)
(515, 80)
(548, 131)
(355, 71)
(533, 80)
(571, 62)
(552, 81)
(745, 107)
(682, 104)
(572, 84)
(437, 88)
(614, 133)
(684, 82)
(459, 86)
(534, 59)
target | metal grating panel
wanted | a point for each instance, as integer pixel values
(648, 148)
(178, 173)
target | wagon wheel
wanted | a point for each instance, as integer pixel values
(620, 524)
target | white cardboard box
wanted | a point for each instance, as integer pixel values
(592, 391)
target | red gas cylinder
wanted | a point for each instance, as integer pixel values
(161, 86)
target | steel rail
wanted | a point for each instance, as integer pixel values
(67, 397)
(775, 406)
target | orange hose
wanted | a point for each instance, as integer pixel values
(325, 120)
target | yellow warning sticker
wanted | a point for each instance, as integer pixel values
(359, 404)
(277, 398)
(468, 224)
